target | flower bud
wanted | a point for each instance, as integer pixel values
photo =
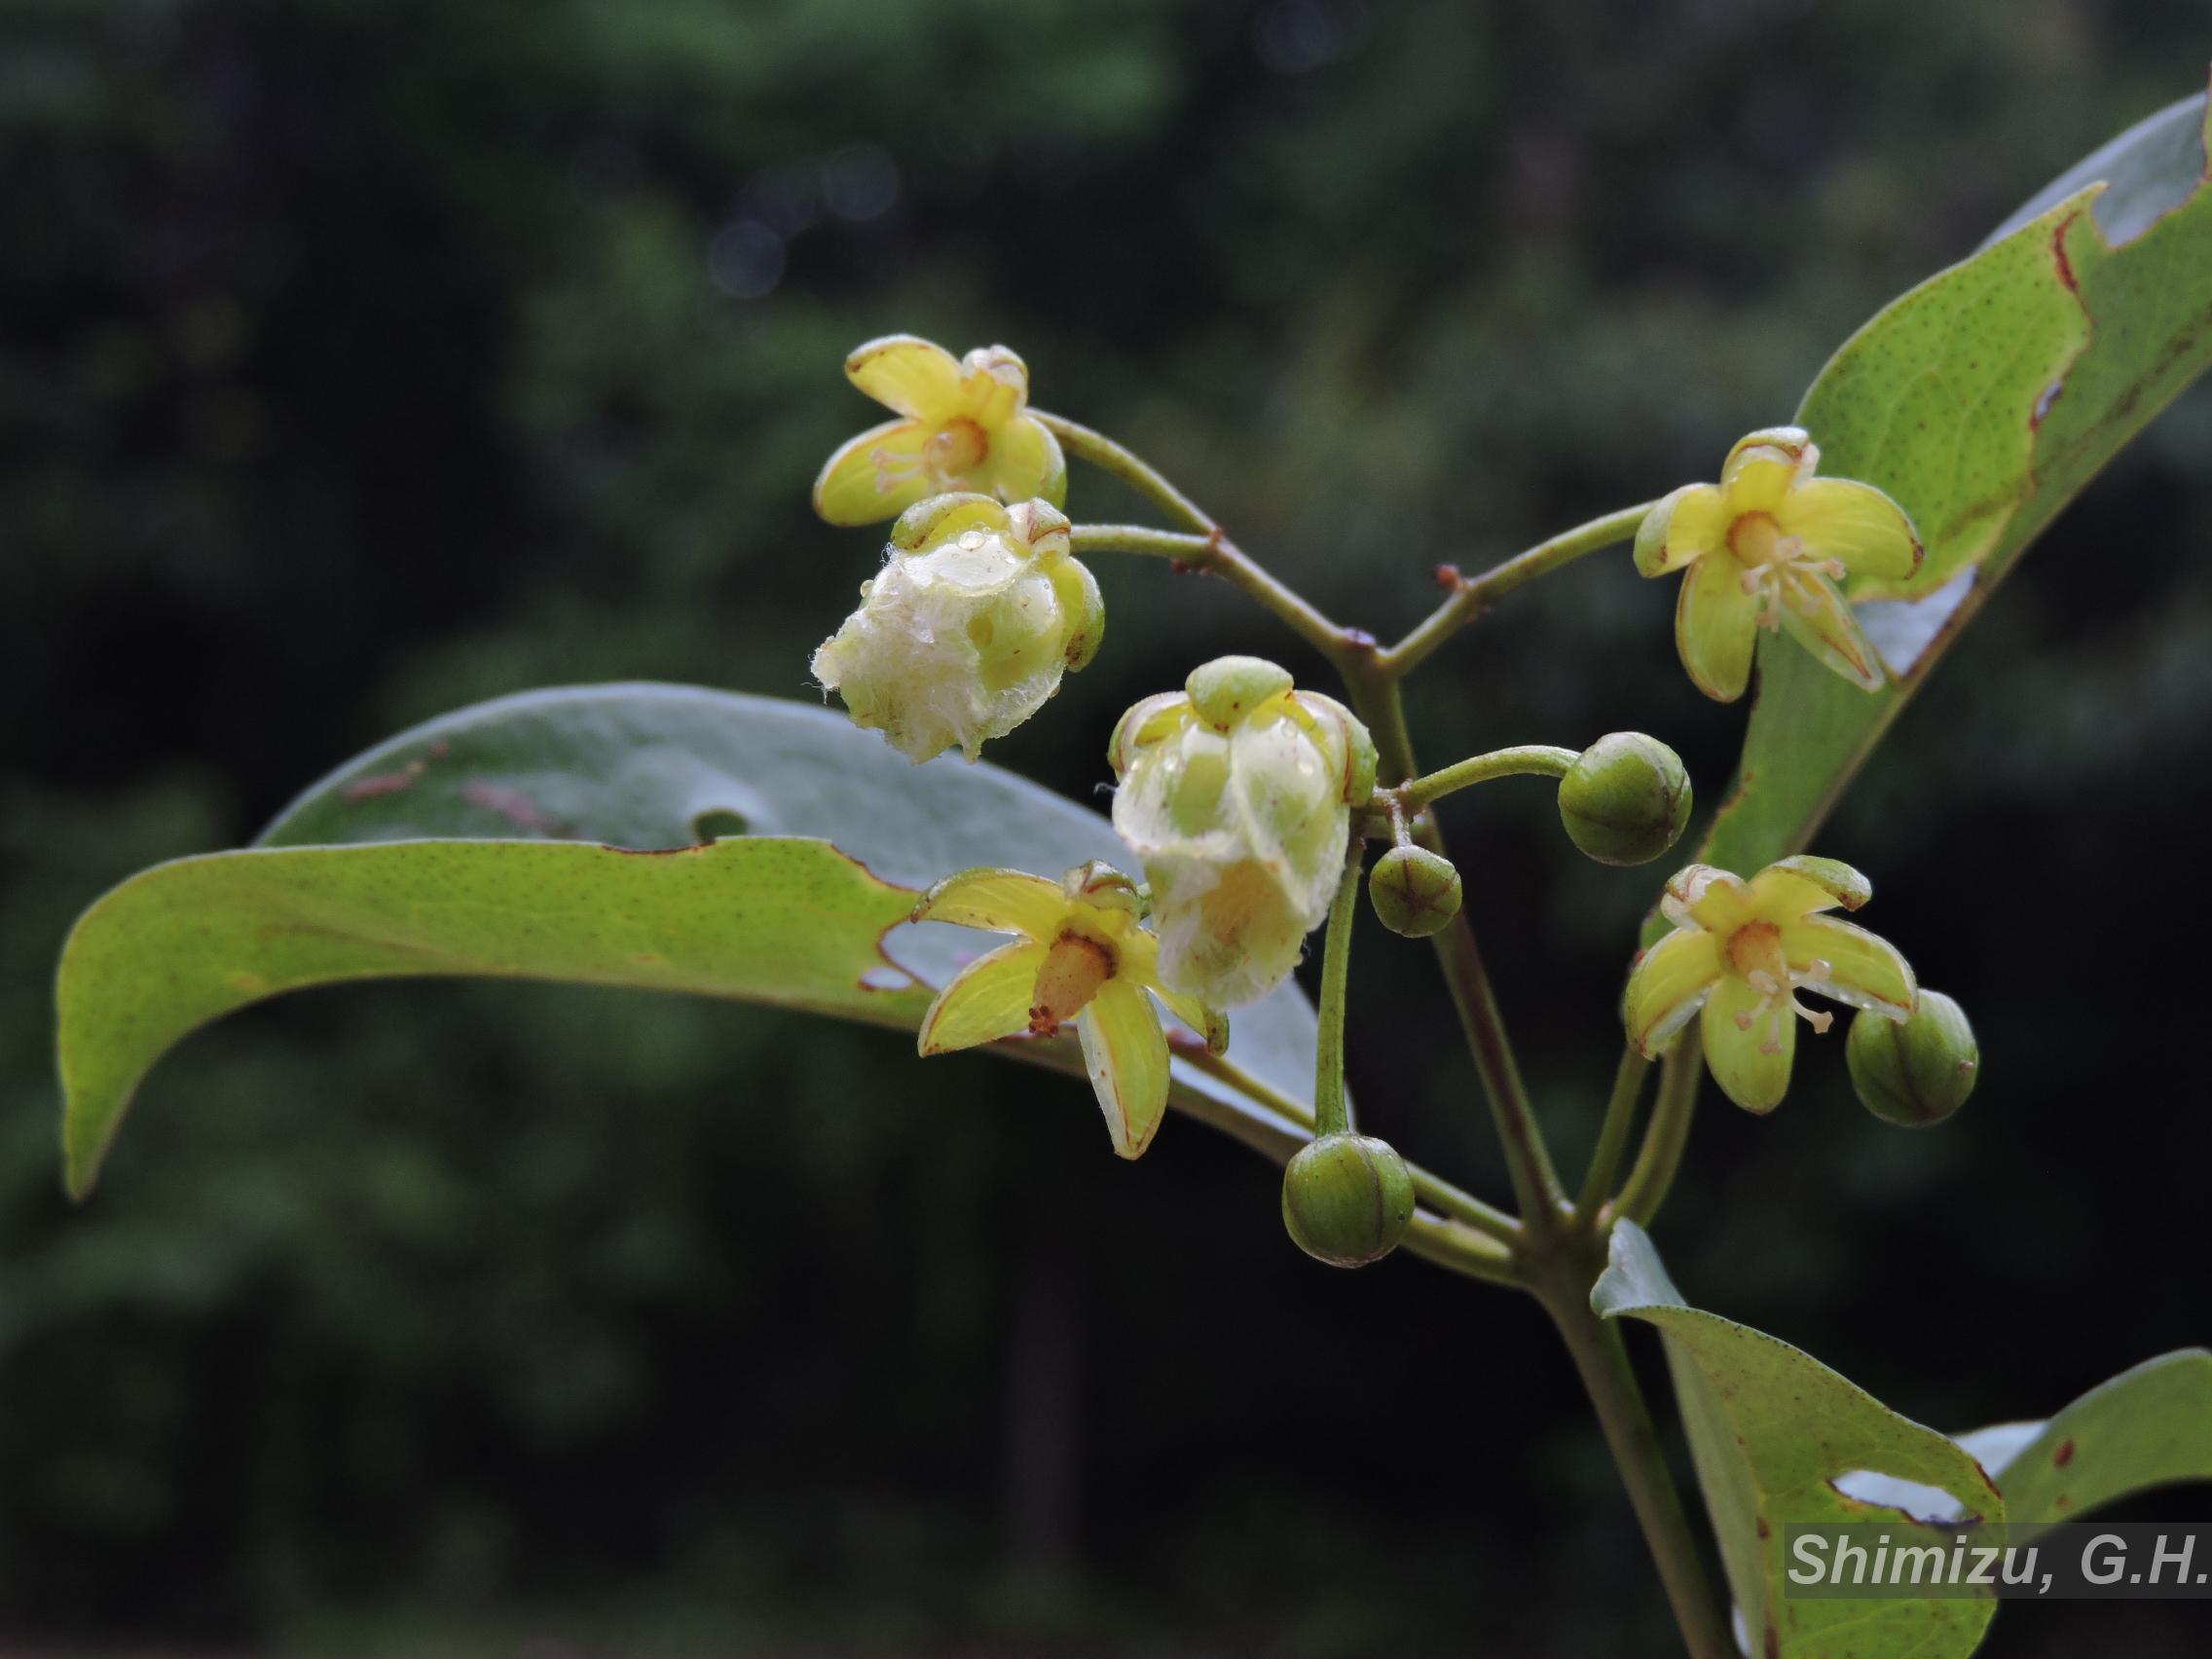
(1415, 891)
(1236, 795)
(1917, 1071)
(963, 635)
(1626, 798)
(1347, 1200)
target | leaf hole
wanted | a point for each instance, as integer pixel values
(717, 823)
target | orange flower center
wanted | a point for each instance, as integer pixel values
(956, 449)
(948, 455)
(1074, 967)
(1754, 952)
(1778, 570)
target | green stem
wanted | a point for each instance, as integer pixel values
(1379, 701)
(1434, 1190)
(1471, 596)
(1601, 1359)
(1206, 549)
(1449, 1241)
(1332, 1113)
(1529, 761)
(1668, 1134)
(1612, 1138)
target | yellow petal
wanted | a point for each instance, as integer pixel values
(1716, 627)
(875, 476)
(1023, 461)
(1686, 524)
(1803, 885)
(1841, 518)
(1862, 970)
(1668, 985)
(1003, 900)
(1762, 466)
(1749, 1062)
(1126, 1055)
(987, 999)
(994, 386)
(908, 374)
(1816, 614)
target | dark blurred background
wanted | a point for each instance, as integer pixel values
(360, 362)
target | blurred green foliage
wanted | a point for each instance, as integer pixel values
(358, 361)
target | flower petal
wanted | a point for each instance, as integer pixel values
(875, 476)
(1841, 518)
(1002, 900)
(1688, 887)
(1668, 984)
(1686, 525)
(1023, 461)
(915, 377)
(1749, 1055)
(988, 999)
(1862, 970)
(1802, 885)
(1716, 627)
(1126, 1055)
(1820, 618)
(1761, 467)
(994, 386)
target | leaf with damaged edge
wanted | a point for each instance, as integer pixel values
(476, 796)
(1984, 400)
(2148, 1427)
(1771, 1429)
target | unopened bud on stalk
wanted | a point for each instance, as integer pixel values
(1347, 1200)
(1626, 799)
(1413, 891)
(1917, 1071)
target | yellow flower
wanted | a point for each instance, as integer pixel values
(963, 425)
(1742, 950)
(1765, 548)
(1237, 795)
(964, 632)
(1081, 956)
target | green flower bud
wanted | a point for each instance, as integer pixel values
(978, 611)
(1626, 798)
(1226, 689)
(1347, 1200)
(1415, 891)
(1237, 795)
(1917, 1071)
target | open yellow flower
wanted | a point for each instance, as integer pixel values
(1765, 548)
(1082, 956)
(1742, 950)
(963, 426)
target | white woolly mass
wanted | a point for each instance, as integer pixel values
(950, 648)
(1243, 839)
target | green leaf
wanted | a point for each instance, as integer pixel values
(471, 845)
(2148, 1427)
(782, 921)
(1984, 400)
(1771, 1430)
